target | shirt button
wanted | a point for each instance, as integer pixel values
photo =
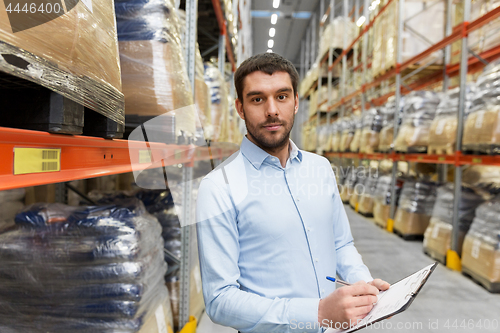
(308, 229)
(323, 291)
(298, 199)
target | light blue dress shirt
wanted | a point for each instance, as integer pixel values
(268, 236)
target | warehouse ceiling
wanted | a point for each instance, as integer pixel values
(290, 27)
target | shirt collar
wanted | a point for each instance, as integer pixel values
(257, 155)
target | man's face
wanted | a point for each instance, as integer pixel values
(269, 107)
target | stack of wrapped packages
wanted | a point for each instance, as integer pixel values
(443, 131)
(356, 139)
(336, 136)
(481, 247)
(348, 127)
(482, 127)
(419, 112)
(334, 34)
(153, 68)
(370, 134)
(387, 113)
(382, 199)
(415, 208)
(83, 269)
(219, 100)
(80, 61)
(358, 187)
(366, 197)
(202, 101)
(160, 204)
(11, 202)
(347, 187)
(324, 144)
(437, 237)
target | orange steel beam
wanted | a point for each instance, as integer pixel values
(221, 21)
(86, 157)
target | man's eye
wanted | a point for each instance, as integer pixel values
(281, 97)
(258, 99)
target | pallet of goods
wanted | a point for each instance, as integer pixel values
(60, 67)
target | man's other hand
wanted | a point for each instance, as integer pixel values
(347, 305)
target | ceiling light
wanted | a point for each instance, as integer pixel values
(272, 32)
(270, 43)
(360, 21)
(274, 18)
(276, 3)
(269, 51)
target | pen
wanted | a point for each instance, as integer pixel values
(338, 281)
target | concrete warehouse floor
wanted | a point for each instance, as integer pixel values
(448, 302)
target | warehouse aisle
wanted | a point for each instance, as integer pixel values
(448, 302)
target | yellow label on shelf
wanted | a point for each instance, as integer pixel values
(420, 158)
(36, 160)
(145, 156)
(402, 157)
(477, 160)
(198, 152)
(441, 158)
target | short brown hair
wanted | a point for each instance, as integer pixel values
(268, 63)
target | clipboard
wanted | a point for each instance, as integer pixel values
(395, 300)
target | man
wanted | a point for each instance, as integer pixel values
(272, 225)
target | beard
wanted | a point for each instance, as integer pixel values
(270, 140)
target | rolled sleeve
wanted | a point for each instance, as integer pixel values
(303, 314)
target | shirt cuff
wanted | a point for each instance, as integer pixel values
(303, 315)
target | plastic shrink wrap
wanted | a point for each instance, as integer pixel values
(481, 248)
(443, 131)
(482, 127)
(421, 19)
(370, 133)
(415, 208)
(218, 97)
(348, 127)
(357, 186)
(160, 204)
(387, 113)
(154, 74)
(202, 98)
(485, 178)
(366, 197)
(11, 202)
(81, 269)
(347, 187)
(382, 199)
(437, 237)
(336, 136)
(419, 111)
(79, 61)
(356, 139)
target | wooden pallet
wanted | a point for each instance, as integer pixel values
(96, 95)
(28, 105)
(365, 214)
(409, 237)
(492, 287)
(413, 150)
(440, 150)
(481, 149)
(436, 256)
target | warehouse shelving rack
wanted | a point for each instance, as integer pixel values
(466, 65)
(82, 157)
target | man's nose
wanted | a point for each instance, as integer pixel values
(272, 108)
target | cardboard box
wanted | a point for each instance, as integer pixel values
(76, 51)
(437, 239)
(381, 213)
(410, 224)
(483, 126)
(481, 258)
(366, 204)
(160, 321)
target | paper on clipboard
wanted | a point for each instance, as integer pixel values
(394, 300)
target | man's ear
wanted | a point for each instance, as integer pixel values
(239, 108)
(296, 103)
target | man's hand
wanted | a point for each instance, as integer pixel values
(380, 284)
(347, 305)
